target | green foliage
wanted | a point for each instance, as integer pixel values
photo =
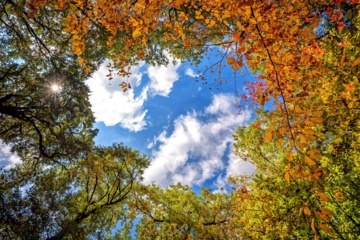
(84, 200)
(179, 213)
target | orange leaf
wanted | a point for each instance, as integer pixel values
(237, 36)
(236, 65)
(310, 137)
(309, 161)
(313, 224)
(356, 62)
(308, 131)
(268, 136)
(307, 211)
(316, 119)
(326, 211)
(313, 151)
(230, 60)
(322, 197)
(81, 60)
(325, 228)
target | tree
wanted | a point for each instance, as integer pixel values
(178, 212)
(87, 199)
(307, 202)
(35, 56)
(306, 55)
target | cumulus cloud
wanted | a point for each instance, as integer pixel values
(162, 78)
(191, 73)
(112, 106)
(194, 151)
(7, 158)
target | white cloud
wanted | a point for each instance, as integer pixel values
(191, 73)
(193, 152)
(7, 158)
(112, 106)
(162, 78)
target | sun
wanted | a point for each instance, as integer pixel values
(55, 88)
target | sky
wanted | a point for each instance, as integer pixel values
(184, 124)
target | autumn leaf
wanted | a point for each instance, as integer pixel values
(309, 161)
(326, 228)
(322, 197)
(81, 60)
(230, 60)
(136, 33)
(307, 211)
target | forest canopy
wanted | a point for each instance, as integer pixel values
(305, 147)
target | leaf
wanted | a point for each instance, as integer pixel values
(78, 51)
(309, 161)
(308, 131)
(269, 135)
(312, 151)
(326, 228)
(81, 61)
(237, 36)
(289, 156)
(322, 197)
(310, 137)
(236, 65)
(307, 211)
(356, 62)
(313, 224)
(316, 119)
(230, 60)
(265, 27)
(326, 211)
(136, 33)
(287, 176)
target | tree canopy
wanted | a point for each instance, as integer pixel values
(305, 147)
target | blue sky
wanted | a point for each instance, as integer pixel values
(169, 114)
(182, 124)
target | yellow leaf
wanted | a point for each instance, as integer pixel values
(136, 33)
(307, 211)
(287, 176)
(309, 161)
(291, 142)
(230, 60)
(81, 60)
(289, 156)
(313, 224)
(212, 23)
